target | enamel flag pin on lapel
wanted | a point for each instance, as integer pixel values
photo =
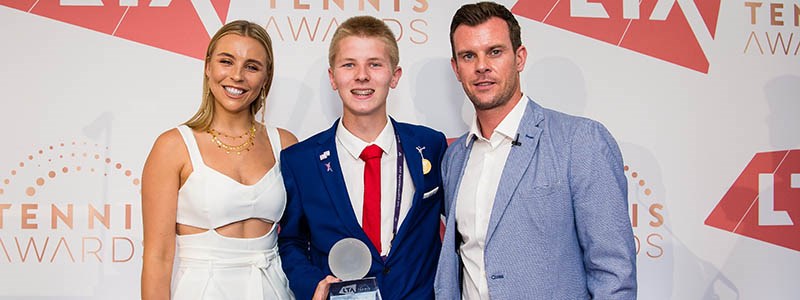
(325, 155)
(426, 164)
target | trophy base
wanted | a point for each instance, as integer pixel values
(360, 289)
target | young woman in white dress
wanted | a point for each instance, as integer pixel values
(212, 191)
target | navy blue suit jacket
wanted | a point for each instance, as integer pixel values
(319, 214)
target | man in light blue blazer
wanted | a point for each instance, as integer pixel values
(327, 178)
(535, 200)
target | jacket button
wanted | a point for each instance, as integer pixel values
(386, 271)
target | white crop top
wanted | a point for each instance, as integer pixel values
(209, 199)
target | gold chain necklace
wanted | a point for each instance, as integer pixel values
(245, 146)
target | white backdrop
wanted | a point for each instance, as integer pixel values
(85, 93)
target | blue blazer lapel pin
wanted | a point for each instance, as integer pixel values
(426, 164)
(323, 157)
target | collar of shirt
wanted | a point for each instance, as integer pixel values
(354, 145)
(505, 131)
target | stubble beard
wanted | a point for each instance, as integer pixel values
(497, 101)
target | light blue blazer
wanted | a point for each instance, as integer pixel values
(559, 227)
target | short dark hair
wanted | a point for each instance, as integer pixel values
(478, 13)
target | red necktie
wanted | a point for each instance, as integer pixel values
(371, 218)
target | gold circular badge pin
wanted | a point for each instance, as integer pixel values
(426, 166)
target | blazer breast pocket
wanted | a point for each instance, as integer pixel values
(547, 206)
(536, 192)
(430, 193)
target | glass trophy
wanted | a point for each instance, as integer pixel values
(349, 261)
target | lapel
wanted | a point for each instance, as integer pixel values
(334, 182)
(450, 261)
(412, 159)
(517, 162)
(459, 160)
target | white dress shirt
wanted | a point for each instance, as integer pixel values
(349, 148)
(476, 193)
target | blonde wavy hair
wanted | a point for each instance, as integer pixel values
(205, 114)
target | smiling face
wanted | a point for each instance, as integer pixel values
(236, 72)
(487, 65)
(362, 73)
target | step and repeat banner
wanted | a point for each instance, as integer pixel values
(703, 97)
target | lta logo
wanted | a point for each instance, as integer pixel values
(182, 27)
(764, 202)
(671, 30)
(185, 27)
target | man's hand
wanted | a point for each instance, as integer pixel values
(321, 293)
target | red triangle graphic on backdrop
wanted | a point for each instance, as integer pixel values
(222, 6)
(671, 40)
(175, 28)
(737, 211)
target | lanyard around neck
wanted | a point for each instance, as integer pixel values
(399, 195)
